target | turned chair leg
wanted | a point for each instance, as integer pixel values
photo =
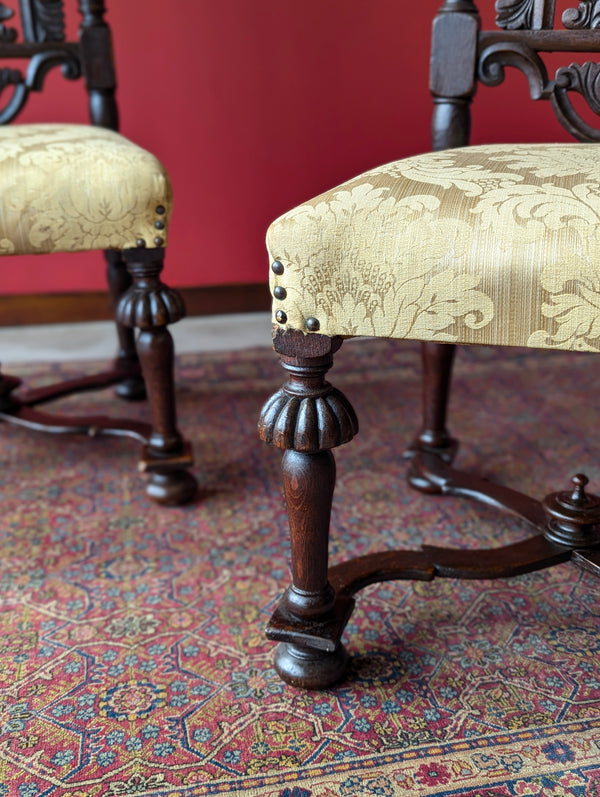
(437, 362)
(309, 482)
(151, 306)
(131, 387)
(438, 359)
(306, 419)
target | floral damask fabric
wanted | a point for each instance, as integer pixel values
(486, 244)
(69, 188)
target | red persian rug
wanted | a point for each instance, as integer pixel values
(132, 655)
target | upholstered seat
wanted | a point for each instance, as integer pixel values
(447, 247)
(69, 188)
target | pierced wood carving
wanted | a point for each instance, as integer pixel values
(49, 20)
(42, 23)
(6, 34)
(39, 66)
(42, 20)
(586, 15)
(10, 77)
(524, 14)
(585, 80)
(582, 78)
(515, 14)
(496, 57)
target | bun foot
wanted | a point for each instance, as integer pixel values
(420, 475)
(421, 483)
(173, 488)
(169, 480)
(131, 389)
(309, 668)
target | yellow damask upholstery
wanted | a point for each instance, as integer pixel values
(70, 188)
(485, 245)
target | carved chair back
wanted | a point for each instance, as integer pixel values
(36, 36)
(463, 54)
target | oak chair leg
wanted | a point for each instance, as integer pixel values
(438, 359)
(309, 482)
(131, 387)
(150, 306)
(437, 362)
(307, 418)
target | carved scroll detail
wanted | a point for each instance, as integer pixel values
(6, 34)
(586, 15)
(43, 22)
(515, 14)
(581, 78)
(495, 57)
(10, 77)
(585, 80)
(15, 78)
(39, 65)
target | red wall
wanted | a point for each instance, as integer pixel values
(256, 106)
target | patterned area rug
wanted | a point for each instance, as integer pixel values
(132, 656)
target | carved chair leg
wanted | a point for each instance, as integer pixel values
(309, 481)
(437, 359)
(150, 306)
(307, 418)
(119, 281)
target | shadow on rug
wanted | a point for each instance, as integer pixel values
(132, 656)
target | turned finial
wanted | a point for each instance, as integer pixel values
(578, 496)
(573, 516)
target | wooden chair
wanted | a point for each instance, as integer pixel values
(69, 188)
(465, 245)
